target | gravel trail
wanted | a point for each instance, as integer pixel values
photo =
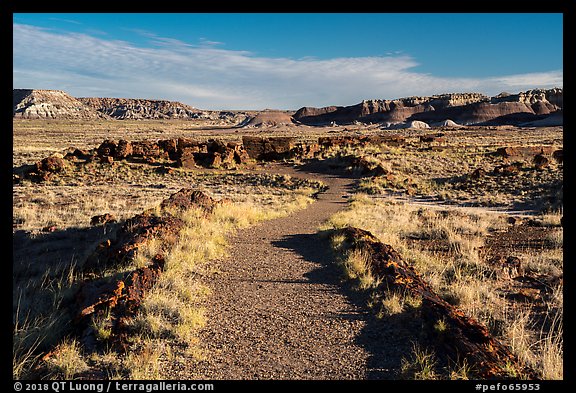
(279, 309)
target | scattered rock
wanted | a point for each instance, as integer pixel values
(107, 148)
(51, 164)
(530, 295)
(558, 155)
(188, 198)
(540, 162)
(78, 153)
(515, 220)
(107, 160)
(523, 151)
(123, 149)
(272, 148)
(508, 169)
(433, 138)
(103, 219)
(186, 158)
(535, 223)
(478, 174)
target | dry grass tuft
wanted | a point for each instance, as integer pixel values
(420, 365)
(446, 247)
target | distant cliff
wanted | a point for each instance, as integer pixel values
(532, 107)
(131, 108)
(463, 108)
(50, 104)
(57, 104)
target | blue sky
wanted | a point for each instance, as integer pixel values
(285, 61)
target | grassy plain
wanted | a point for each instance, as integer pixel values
(455, 230)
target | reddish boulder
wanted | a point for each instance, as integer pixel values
(123, 149)
(135, 232)
(102, 219)
(186, 158)
(228, 157)
(194, 145)
(508, 169)
(145, 149)
(188, 198)
(78, 153)
(97, 295)
(212, 160)
(540, 161)
(241, 156)
(169, 146)
(437, 138)
(478, 174)
(51, 164)
(217, 146)
(107, 148)
(139, 283)
(379, 170)
(558, 155)
(272, 148)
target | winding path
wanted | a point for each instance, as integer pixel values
(278, 309)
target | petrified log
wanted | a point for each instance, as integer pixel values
(523, 151)
(107, 148)
(51, 164)
(478, 173)
(188, 198)
(134, 233)
(186, 158)
(119, 299)
(558, 155)
(102, 219)
(169, 146)
(466, 338)
(272, 148)
(145, 149)
(123, 149)
(540, 162)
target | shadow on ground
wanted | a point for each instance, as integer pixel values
(388, 339)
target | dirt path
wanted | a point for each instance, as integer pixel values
(278, 309)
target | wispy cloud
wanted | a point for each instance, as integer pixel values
(209, 77)
(74, 22)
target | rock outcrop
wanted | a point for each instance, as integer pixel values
(50, 104)
(269, 118)
(261, 148)
(462, 108)
(130, 108)
(57, 104)
(187, 153)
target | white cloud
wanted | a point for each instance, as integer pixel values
(213, 78)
